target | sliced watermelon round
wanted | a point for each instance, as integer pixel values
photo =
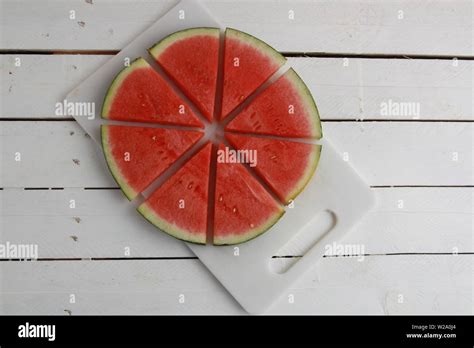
(179, 206)
(191, 57)
(286, 108)
(140, 94)
(245, 201)
(137, 155)
(243, 209)
(285, 166)
(248, 63)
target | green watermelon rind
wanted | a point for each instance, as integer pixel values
(169, 228)
(251, 234)
(117, 82)
(306, 178)
(129, 192)
(262, 46)
(157, 49)
(309, 102)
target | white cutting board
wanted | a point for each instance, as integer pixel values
(245, 272)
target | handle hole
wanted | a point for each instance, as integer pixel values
(295, 249)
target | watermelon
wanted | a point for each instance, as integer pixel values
(139, 94)
(286, 109)
(179, 206)
(138, 155)
(243, 209)
(248, 63)
(238, 201)
(191, 57)
(285, 166)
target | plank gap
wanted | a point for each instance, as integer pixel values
(288, 54)
(169, 258)
(373, 55)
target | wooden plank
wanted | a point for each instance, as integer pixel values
(102, 224)
(33, 89)
(52, 154)
(154, 287)
(406, 153)
(364, 89)
(95, 227)
(341, 26)
(384, 153)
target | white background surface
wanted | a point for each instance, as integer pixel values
(411, 267)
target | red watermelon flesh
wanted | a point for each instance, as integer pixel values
(190, 57)
(137, 155)
(286, 108)
(140, 94)
(285, 166)
(248, 63)
(179, 206)
(243, 209)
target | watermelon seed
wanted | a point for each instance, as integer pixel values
(234, 210)
(221, 198)
(154, 138)
(190, 186)
(252, 225)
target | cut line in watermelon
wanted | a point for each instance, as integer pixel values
(285, 166)
(284, 109)
(224, 201)
(248, 63)
(136, 156)
(186, 192)
(139, 94)
(191, 58)
(238, 198)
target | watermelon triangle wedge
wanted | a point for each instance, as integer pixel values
(285, 166)
(248, 63)
(139, 94)
(179, 206)
(285, 109)
(243, 209)
(191, 58)
(136, 156)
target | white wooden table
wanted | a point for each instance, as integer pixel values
(354, 55)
